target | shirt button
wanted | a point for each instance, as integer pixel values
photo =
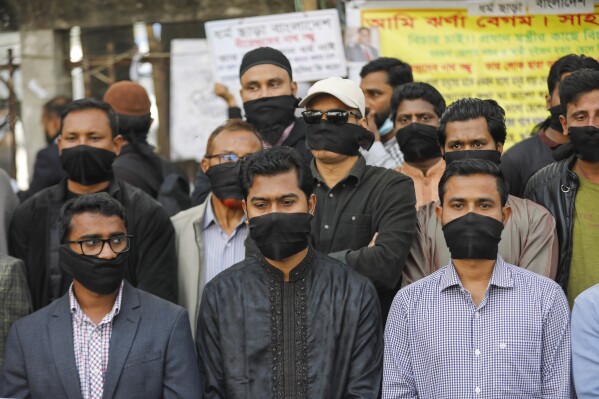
(326, 226)
(228, 244)
(353, 218)
(477, 352)
(476, 314)
(331, 195)
(318, 185)
(477, 390)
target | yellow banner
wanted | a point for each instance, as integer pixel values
(503, 58)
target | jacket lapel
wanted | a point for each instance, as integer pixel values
(124, 329)
(60, 330)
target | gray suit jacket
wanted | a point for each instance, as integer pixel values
(189, 241)
(151, 353)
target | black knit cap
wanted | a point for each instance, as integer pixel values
(265, 55)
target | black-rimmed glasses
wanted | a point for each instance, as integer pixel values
(94, 246)
(334, 116)
(226, 158)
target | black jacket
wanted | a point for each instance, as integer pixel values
(319, 335)
(35, 238)
(555, 188)
(47, 172)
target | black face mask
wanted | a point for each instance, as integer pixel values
(585, 142)
(343, 139)
(555, 122)
(271, 115)
(87, 165)
(473, 236)
(102, 276)
(280, 235)
(225, 180)
(418, 142)
(487, 155)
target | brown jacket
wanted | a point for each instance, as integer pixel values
(529, 240)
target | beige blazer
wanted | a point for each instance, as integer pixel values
(189, 241)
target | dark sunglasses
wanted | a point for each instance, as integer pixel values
(334, 116)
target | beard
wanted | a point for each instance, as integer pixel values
(233, 204)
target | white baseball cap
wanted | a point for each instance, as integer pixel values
(345, 90)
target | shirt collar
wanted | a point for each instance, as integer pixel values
(284, 136)
(78, 312)
(296, 273)
(210, 217)
(356, 172)
(501, 277)
(436, 169)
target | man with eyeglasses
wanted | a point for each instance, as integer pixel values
(88, 144)
(103, 338)
(366, 215)
(210, 237)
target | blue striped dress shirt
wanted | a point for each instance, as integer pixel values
(515, 344)
(222, 251)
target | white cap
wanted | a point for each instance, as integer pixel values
(345, 90)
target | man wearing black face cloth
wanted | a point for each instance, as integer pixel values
(269, 100)
(570, 188)
(548, 142)
(210, 237)
(88, 144)
(298, 324)
(365, 215)
(475, 128)
(417, 108)
(479, 326)
(103, 338)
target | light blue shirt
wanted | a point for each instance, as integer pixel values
(585, 343)
(515, 344)
(222, 251)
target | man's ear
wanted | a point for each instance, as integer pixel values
(245, 210)
(500, 148)
(363, 122)
(507, 212)
(118, 144)
(562, 119)
(204, 164)
(547, 102)
(294, 88)
(59, 143)
(439, 212)
(312, 204)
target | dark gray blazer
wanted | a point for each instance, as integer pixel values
(151, 353)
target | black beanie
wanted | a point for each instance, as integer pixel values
(265, 55)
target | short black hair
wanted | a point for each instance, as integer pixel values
(92, 103)
(398, 72)
(56, 105)
(568, 63)
(465, 109)
(232, 125)
(472, 166)
(578, 83)
(275, 161)
(101, 203)
(134, 127)
(417, 91)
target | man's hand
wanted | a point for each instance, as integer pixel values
(223, 92)
(372, 126)
(372, 242)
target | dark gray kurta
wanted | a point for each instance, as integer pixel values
(317, 336)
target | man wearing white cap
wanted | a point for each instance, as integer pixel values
(365, 215)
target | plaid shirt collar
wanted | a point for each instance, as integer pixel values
(78, 314)
(501, 277)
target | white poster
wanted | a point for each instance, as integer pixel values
(311, 40)
(195, 110)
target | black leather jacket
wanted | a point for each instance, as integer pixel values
(555, 188)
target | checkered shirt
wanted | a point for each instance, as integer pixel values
(393, 150)
(91, 344)
(515, 344)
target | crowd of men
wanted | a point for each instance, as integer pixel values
(380, 245)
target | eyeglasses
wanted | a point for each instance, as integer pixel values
(94, 246)
(225, 158)
(334, 116)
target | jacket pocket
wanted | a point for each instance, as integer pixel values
(143, 358)
(358, 227)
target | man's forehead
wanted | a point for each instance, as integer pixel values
(469, 187)
(468, 129)
(235, 139)
(416, 105)
(275, 186)
(264, 72)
